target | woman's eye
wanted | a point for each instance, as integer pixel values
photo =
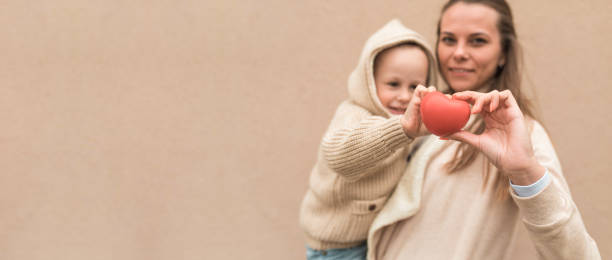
(478, 41)
(447, 40)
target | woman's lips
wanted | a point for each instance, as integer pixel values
(460, 71)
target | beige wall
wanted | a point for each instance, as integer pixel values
(187, 129)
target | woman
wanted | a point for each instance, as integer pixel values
(473, 193)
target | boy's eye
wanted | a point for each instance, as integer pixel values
(393, 84)
(413, 86)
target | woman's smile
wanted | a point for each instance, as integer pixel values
(461, 72)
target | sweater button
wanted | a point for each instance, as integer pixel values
(372, 207)
(324, 252)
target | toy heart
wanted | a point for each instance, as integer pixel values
(443, 116)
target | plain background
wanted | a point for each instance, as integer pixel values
(187, 129)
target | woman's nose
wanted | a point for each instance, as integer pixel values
(460, 52)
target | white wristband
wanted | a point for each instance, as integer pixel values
(531, 189)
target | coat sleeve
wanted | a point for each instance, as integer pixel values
(552, 219)
(358, 143)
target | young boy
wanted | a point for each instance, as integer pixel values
(364, 151)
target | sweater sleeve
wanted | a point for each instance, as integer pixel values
(552, 219)
(357, 143)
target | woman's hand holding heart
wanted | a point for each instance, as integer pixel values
(505, 140)
(411, 120)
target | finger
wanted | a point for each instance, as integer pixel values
(494, 101)
(419, 90)
(507, 98)
(465, 137)
(423, 91)
(488, 103)
(468, 96)
(416, 93)
(417, 97)
(481, 102)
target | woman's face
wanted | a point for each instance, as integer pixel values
(469, 49)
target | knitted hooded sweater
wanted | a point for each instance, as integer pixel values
(362, 155)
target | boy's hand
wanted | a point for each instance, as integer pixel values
(411, 120)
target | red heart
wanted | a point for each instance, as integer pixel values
(443, 116)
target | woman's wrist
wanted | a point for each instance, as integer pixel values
(528, 176)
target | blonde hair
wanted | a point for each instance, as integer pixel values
(403, 45)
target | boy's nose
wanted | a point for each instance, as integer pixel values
(404, 96)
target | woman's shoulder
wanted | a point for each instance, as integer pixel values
(540, 139)
(535, 128)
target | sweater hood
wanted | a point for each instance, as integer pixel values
(361, 86)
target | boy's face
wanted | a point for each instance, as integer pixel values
(397, 72)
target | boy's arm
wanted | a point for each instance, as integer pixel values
(357, 143)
